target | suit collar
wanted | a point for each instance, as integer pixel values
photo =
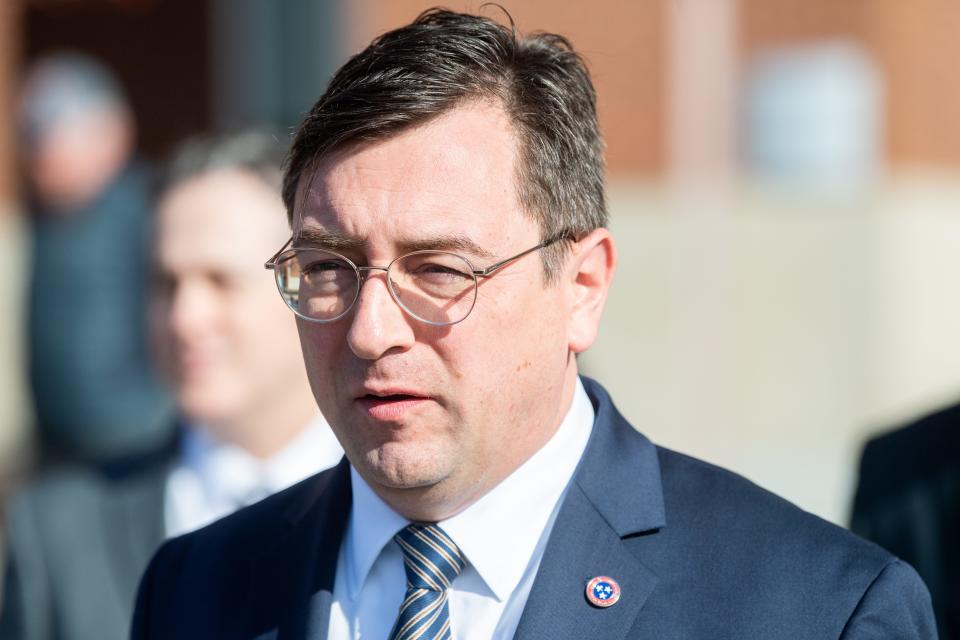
(291, 587)
(616, 495)
(620, 472)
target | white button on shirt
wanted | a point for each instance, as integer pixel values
(502, 535)
(213, 479)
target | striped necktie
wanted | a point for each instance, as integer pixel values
(431, 561)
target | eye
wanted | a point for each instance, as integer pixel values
(438, 270)
(440, 273)
(162, 284)
(323, 266)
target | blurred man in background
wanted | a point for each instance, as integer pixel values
(95, 395)
(79, 540)
(908, 501)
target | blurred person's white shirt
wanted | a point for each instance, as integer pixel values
(213, 479)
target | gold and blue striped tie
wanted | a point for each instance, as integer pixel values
(431, 561)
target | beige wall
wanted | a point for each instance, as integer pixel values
(773, 338)
(13, 411)
(14, 417)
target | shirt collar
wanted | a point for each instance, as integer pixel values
(499, 532)
(372, 525)
(227, 470)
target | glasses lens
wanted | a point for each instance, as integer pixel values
(434, 286)
(317, 285)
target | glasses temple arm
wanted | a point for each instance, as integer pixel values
(272, 262)
(489, 271)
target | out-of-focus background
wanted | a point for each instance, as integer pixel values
(784, 190)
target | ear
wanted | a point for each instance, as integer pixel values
(589, 272)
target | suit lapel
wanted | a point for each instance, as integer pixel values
(615, 494)
(292, 583)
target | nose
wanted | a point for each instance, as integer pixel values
(378, 325)
(191, 311)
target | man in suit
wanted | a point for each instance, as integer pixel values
(448, 262)
(80, 539)
(908, 501)
(95, 395)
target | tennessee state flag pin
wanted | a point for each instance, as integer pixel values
(603, 592)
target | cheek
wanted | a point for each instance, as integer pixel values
(318, 344)
(524, 349)
(256, 332)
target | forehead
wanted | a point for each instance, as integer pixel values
(227, 216)
(455, 174)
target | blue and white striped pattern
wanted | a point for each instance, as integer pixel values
(432, 561)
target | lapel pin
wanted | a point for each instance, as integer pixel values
(603, 592)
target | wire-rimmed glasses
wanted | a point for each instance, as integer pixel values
(432, 286)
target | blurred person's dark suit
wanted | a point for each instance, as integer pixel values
(77, 542)
(908, 501)
(95, 393)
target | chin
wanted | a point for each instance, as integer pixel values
(205, 408)
(405, 469)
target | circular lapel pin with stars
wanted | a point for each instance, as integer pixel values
(603, 592)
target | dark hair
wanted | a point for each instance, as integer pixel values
(255, 152)
(410, 75)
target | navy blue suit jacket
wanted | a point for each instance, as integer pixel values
(699, 552)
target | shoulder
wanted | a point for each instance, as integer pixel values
(60, 487)
(722, 505)
(70, 528)
(781, 558)
(714, 511)
(198, 581)
(66, 493)
(725, 551)
(66, 499)
(243, 532)
(69, 509)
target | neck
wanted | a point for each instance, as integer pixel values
(266, 428)
(446, 499)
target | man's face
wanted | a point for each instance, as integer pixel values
(441, 412)
(229, 342)
(75, 157)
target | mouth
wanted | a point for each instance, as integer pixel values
(390, 405)
(192, 363)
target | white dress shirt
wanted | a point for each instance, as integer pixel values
(213, 479)
(502, 536)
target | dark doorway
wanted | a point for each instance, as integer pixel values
(160, 50)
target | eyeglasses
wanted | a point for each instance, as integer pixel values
(435, 287)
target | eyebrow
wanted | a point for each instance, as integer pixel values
(455, 242)
(336, 241)
(326, 239)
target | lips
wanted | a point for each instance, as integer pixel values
(192, 362)
(390, 404)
